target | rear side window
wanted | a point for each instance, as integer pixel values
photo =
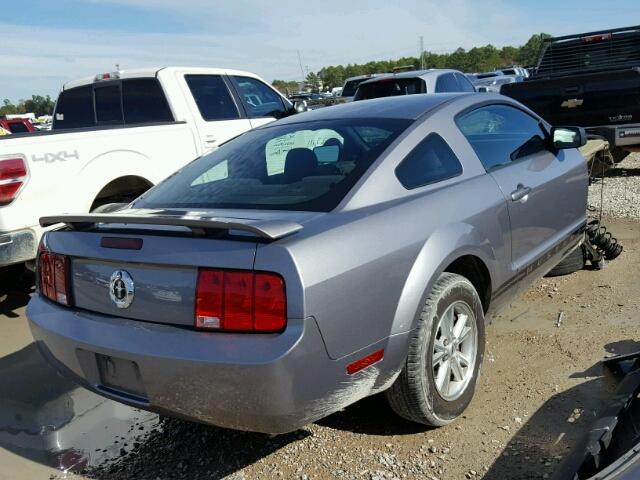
(212, 97)
(259, 99)
(390, 87)
(18, 128)
(74, 108)
(465, 84)
(143, 101)
(350, 87)
(432, 160)
(447, 83)
(108, 105)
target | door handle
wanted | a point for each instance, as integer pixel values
(521, 193)
(211, 140)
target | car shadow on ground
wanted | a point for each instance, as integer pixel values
(371, 416)
(15, 291)
(548, 436)
(619, 171)
(191, 450)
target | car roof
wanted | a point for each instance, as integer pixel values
(411, 74)
(153, 71)
(368, 75)
(408, 107)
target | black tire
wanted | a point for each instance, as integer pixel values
(571, 263)
(414, 395)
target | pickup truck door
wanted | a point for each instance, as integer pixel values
(218, 115)
(545, 190)
(261, 102)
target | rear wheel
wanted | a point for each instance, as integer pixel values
(445, 354)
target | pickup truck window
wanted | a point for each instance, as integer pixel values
(432, 160)
(18, 127)
(259, 99)
(500, 134)
(465, 84)
(447, 83)
(74, 109)
(108, 105)
(143, 101)
(212, 97)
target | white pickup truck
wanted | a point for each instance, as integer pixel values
(117, 134)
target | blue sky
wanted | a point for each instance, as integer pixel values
(46, 43)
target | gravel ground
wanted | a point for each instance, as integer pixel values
(541, 388)
(620, 188)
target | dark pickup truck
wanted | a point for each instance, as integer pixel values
(591, 80)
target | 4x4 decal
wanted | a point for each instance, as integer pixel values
(56, 157)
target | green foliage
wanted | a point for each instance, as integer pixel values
(477, 59)
(285, 87)
(313, 82)
(37, 104)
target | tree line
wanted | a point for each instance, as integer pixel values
(37, 104)
(477, 59)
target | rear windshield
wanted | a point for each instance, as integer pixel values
(18, 127)
(349, 89)
(126, 102)
(302, 166)
(390, 88)
(597, 52)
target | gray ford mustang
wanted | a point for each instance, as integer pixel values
(315, 261)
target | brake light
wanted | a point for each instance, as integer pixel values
(106, 76)
(13, 174)
(240, 301)
(53, 275)
(597, 38)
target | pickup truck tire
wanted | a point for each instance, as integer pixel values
(416, 395)
(571, 263)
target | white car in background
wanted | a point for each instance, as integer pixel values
(117, 134)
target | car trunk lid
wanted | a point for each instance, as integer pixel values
(161, 253)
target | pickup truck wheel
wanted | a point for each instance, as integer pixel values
(446, 351)
(571, 263)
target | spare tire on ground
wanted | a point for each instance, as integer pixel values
(571, 263)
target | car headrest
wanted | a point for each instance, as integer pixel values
(299, 163)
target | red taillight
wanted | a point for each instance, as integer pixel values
(270, 308)
(53, 276)
(13, 173)
(240, 301)
(602, 37)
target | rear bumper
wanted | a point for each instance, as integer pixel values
(17, 246)
(265, 383)
(619, 135)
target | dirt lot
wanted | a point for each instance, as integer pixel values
(541, 387)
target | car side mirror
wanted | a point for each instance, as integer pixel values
(300, 106)
(568, 137)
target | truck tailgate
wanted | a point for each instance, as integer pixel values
(606, 98)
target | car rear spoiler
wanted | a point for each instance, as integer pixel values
(266, 229)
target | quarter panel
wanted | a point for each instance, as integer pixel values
(363, 272)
